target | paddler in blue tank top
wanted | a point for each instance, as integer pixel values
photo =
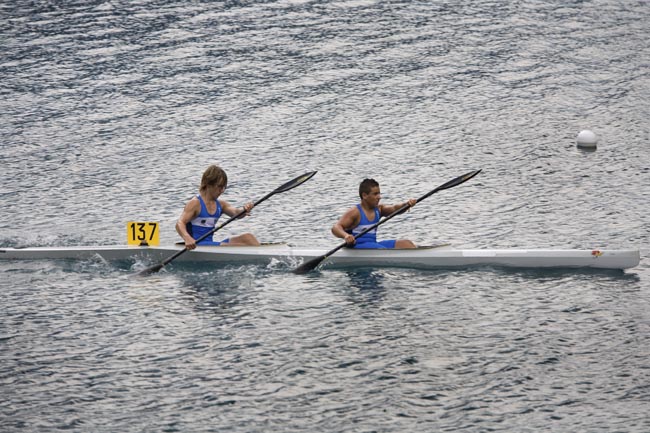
(202, 212)
(365, 214)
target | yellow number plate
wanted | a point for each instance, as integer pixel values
(142, 233)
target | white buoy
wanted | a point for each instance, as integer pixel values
(587, 139)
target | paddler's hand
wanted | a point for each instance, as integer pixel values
(246, 209)
(349, 239)
(190, 243)
(410, 202)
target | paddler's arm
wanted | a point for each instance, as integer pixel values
(231, 210)
(192, 209)
(387, 209)
(349, 220)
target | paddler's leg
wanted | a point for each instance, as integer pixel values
(401, 244)
(247, 239)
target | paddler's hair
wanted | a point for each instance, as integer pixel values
(214, 175)
(366, 186)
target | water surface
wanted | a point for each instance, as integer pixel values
(110, 113)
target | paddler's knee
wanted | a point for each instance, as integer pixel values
(404, 244)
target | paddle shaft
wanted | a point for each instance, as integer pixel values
(286, 187)
(308, 266)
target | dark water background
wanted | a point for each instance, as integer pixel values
(111, 110)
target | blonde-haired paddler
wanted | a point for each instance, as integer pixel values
(202, 212)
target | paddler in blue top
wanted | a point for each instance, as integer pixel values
(365, 214)
(202, 212)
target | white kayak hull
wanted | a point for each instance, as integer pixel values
(421, 258)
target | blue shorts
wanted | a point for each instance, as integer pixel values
(206, 243)
(375, 245)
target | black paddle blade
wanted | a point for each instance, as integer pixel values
(457, 181)
(295, 182)
(150, 270)
(452, 183)
(309, 266)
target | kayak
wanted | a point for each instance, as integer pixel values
(431, 257)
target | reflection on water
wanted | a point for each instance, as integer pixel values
(584, 274)
(223, 290)
(365, 286)
(366, 279)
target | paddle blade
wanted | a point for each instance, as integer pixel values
(150, 270)
(309, 266)
(295, 182)
(457, 181)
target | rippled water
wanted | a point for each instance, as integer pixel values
(110, 112)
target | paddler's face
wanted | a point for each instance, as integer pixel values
(373, 197)
(215, 190)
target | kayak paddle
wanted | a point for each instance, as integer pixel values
(286, 187)
(310, 265)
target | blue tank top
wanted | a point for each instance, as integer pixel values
(371, 236)
(204, 221)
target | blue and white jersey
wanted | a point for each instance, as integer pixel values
(204, 221)
(364, 223)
